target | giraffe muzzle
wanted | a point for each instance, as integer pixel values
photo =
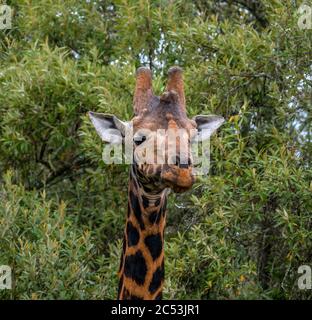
(177, 178)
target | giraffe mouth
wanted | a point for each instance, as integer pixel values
(179, 180)
(178, 189)
(167, 176)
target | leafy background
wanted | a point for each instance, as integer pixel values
(240, 233)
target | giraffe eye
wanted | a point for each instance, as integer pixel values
(139, 140)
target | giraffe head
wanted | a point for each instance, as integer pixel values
(161, 133)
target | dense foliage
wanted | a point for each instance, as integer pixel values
(240, 233)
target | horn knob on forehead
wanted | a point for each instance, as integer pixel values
(176, 83)
(143, 90)
(175, 70)
(144, 76)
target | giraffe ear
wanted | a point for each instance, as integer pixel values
(206, 126)
(108, 127)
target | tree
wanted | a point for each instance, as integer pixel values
(245, 229)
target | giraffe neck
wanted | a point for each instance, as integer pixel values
(141, 272)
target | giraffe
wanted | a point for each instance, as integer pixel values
(141, 270)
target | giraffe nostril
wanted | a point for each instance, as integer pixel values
(183, 166)
(185, 163)
(177, 161)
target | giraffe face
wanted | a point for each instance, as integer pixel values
(161, 133)
(162, 137)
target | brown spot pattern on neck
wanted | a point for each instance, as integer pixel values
(141, 272)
